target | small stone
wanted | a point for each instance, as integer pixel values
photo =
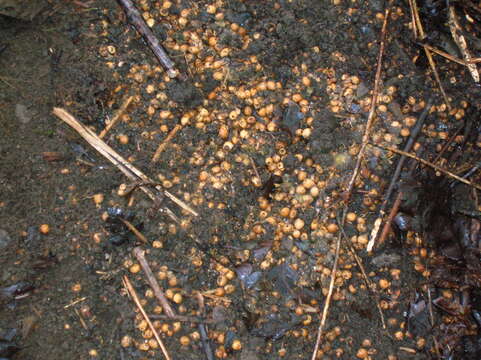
(5, 239)
(23, 114)
(292, 117)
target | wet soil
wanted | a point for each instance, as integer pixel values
(79, 308)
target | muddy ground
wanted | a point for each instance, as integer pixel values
(80, 56)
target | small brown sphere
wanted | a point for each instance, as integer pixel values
(299, 224)
(211, 9)
(123, 139)
(126, 341)
(184, 340)
(351, 217)
(236, 345)
(362, 353)
(384, 284)
(169, 294)
(222, 280)
(135, 268)
(332, 228)
(98, 198)
(44, 229)
(223, 131)
(177, 298)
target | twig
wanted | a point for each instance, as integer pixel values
(134, 296)
(472, 170)
(427, 163)
(432, 64)
(387, 224)
(166, 141)
(136, 19)
(179, 202)
(459, 39)
(135, 231)
(431, 318)
(254, 167)
(203, 329)
(75, 302)
(430, 307)
(123, 165)
(407, 349)
(82, 320)
(205, 342)
(448, 143)
(182, 318)
(413, 20)
(474, 60)
(409, 144)
(141, 183)
(85, 5)
(445, 54)
(140, 255)
(327, 303)
(116, 117)
(371, 116)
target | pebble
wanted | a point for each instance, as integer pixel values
(23, 114)
(5, 239)
(33, 238)
(292, 117)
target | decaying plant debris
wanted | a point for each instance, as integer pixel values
(312, 177)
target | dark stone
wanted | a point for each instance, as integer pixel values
(184, 93)
(292, 117)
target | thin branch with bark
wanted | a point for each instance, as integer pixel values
(134, 296)
(371, 117)
(139, 253)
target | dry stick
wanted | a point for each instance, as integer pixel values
(459, 39)
(254, 167)
(325, 310)
(431, 318)
(179, 202)
(371, 116)
(203, 329)
(474, 60)
(387, 225)
(413, 20)
(472, 171)
(182, 318)
(432, 64)
(445, 147)
(135, 231)
(446, 55)
(116, 117)
(82, 320)
(166, 141)
(123, 165)
(134, 296)
(409, 144)
(136, 19)
(395, 207)
(140, 255)
(425, 162)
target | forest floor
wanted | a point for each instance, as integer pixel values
(260, 138)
